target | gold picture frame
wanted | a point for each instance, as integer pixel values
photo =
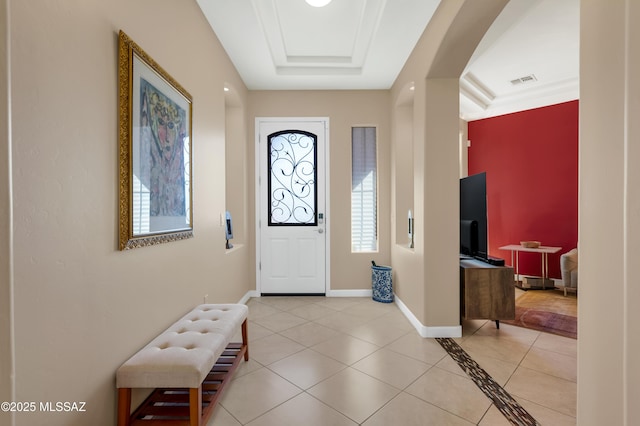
(155, 128)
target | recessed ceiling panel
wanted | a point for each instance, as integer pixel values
(289, 45)
(319, 32)
(328, 39)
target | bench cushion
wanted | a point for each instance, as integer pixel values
(183, 355)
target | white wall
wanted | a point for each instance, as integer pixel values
(81, 306)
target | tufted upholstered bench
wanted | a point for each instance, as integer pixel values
(188, 365)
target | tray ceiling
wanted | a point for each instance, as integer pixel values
(529, 57)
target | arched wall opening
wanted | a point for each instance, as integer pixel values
(427, 277)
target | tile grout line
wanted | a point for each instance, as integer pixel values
(503, 401)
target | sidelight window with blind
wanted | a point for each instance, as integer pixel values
(364, 187)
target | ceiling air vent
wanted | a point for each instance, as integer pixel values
(526, 79)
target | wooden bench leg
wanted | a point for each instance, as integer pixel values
(245, 340)
(124, 406)
(195, 406)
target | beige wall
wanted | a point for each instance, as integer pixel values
(6, 325)
(632, 210)
(464, 149)
(345, 109)
(441, 203)
(81, 306)
(609, 214)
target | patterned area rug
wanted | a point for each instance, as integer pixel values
(547, 310)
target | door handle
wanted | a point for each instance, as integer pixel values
(320, 231)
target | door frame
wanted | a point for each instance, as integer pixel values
(327, 209)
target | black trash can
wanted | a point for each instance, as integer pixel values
(381, 283)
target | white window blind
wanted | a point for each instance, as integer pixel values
(364, 165)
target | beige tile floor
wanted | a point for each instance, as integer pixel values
(319, 361)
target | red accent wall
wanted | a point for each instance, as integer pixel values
(531, 160)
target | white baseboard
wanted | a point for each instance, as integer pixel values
(444, 331)
(248, 295)
(349, 293)
(428, 331)
(409, 315)
(330, 293)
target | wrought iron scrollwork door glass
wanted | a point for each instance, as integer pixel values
(292, 178)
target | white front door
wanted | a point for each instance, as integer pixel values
(291, 209)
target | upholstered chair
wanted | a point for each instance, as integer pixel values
(569, 270)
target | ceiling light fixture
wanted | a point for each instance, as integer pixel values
(318, 3)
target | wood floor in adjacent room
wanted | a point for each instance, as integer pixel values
(551, 300)
(549, 311)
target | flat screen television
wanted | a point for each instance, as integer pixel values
(469, 237)
(473, 215)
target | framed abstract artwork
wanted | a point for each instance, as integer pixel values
(155, 181)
